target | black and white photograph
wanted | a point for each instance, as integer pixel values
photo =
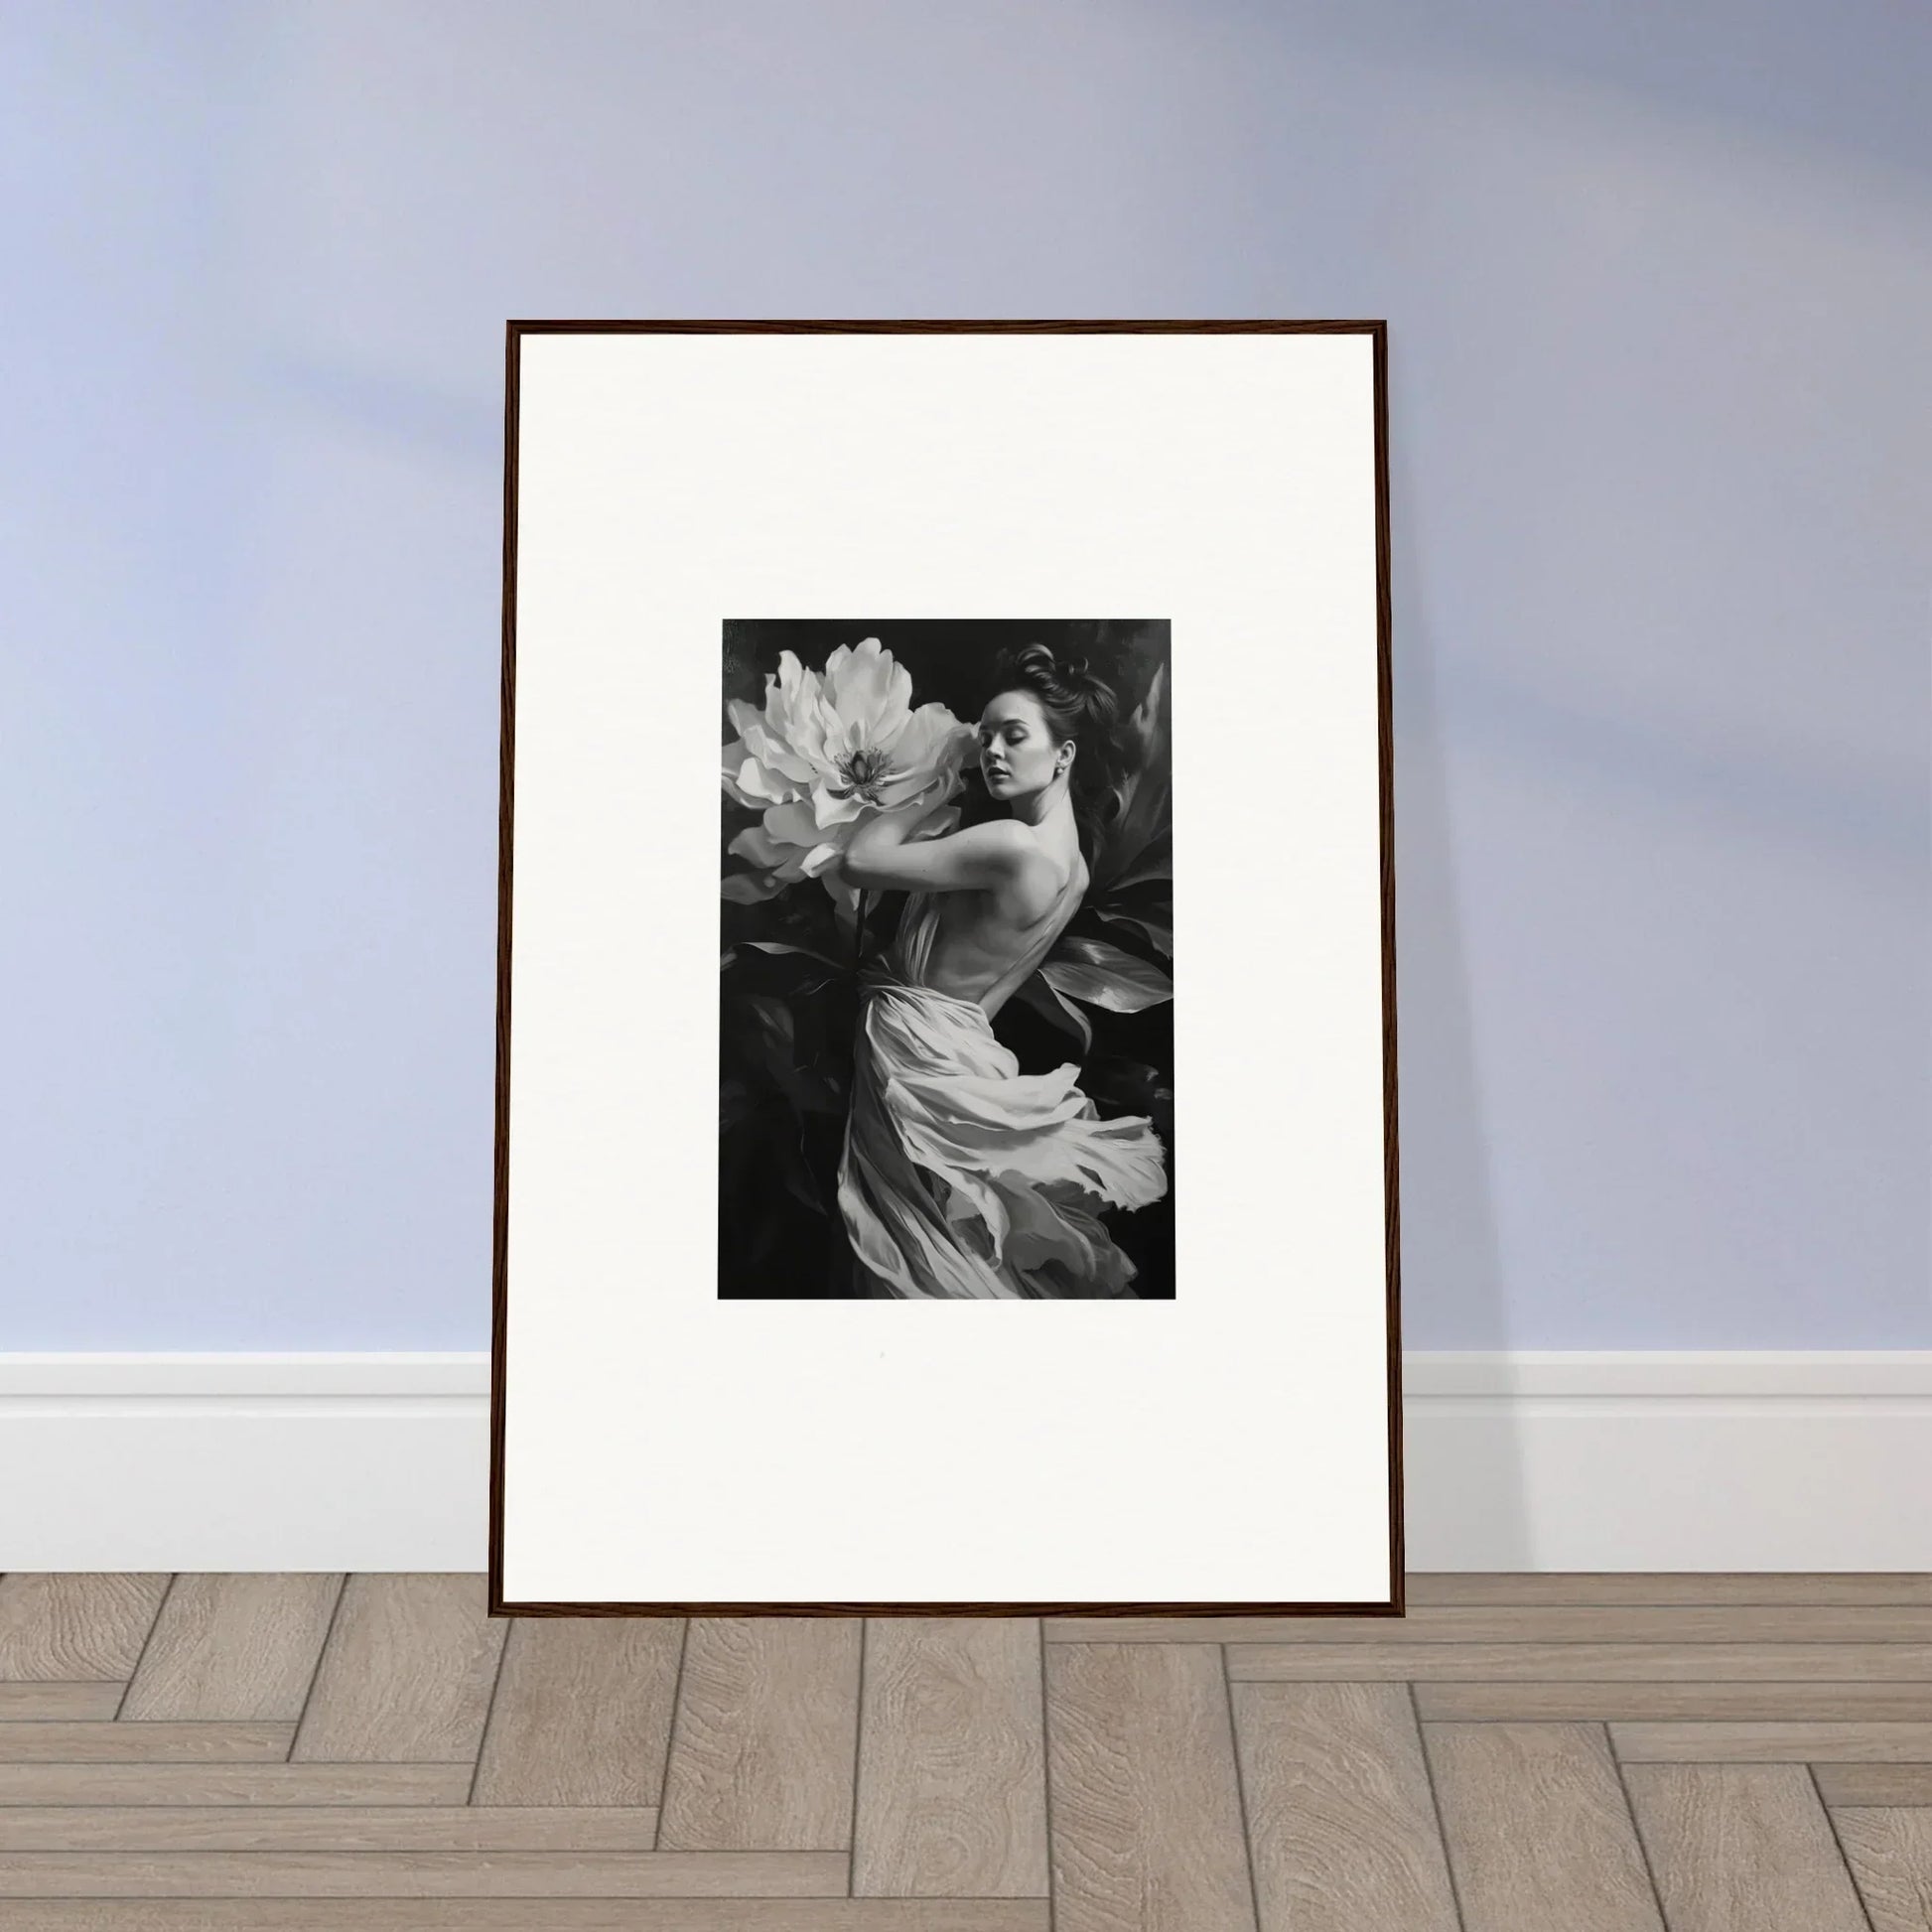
(946, 1021)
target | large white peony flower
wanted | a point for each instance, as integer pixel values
(825, 748)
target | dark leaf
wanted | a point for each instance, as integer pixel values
(1127, 1083)
(1154, 860)
(748, 888)
(804, 919)
(1104, 976)
(771, 1038)
(778, 945)
(1157, 932)
(772, 1024)
(784, 970)
(797, 1173)
(1140, 800)
(733, 1104)
(1044, 1001)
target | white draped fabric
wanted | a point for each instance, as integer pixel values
(964, 1178)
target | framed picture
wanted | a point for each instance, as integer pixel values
(946, 859)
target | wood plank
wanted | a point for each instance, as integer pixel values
(75, 1624)
(1538, 1830)
(422, 1875)
(1874, 1785)
(117, 1743)
(1432, 1590)
(323, 1828)
(951, 1798)
(583, 1712)
(39, 1702)
(238, 1784)
(1743, 1849)
(233, 1646)
(1527, 1623)
(407, 1672)
(1143, 1791)
(766, 1736)
(515, 1915)
(1340, 1818)
(1587, 1663)
(1891, 1856)
(1682, 1703)
(1871, 1742)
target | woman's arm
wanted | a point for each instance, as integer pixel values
(880, 857)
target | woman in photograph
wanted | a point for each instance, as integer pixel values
(963, 1179)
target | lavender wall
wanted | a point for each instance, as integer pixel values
(1659, 281)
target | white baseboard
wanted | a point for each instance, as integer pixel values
(245, 1462)
(1669, 1462)
(1515, 1461)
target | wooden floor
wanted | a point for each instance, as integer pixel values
(1519, 1754)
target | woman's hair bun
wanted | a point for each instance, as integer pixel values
(1065, 684)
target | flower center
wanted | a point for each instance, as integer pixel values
(864, 771)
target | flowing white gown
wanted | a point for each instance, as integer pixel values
(963, 1177)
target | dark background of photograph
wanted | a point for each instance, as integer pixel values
(787, 1022)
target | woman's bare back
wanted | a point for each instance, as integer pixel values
(983, 949)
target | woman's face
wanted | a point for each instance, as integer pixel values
(1018, 756)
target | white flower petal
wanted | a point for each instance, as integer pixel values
(766, 746)
(730, 761)
(863, 684)
(938, 825)
(897, 708)
(913, 786)
(830, 811)
(751, 784)
(839, 735)
(929, 733)
(794, 710)
(794, 825)
(758, 845)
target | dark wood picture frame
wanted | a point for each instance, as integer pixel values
(499, 1605)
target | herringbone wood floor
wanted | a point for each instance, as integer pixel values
(1520, 1754)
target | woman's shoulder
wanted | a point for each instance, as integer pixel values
(1012, 838)
(1052, 878)
(1027, 856)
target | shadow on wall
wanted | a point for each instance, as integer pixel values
(1451, 1255)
